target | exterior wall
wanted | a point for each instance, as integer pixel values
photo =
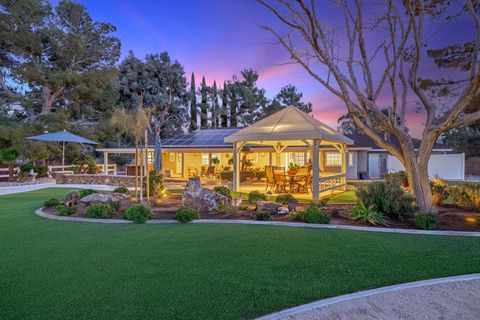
(446, 166)
(352, 165)
(362, 163)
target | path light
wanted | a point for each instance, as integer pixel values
(471, 220)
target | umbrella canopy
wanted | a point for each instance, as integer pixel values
(157, 155)
(61, 136)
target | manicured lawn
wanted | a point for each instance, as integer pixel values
(344, 197)
(66, 270)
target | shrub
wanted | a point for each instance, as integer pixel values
(426, 221)
(319, 203)
(121, 190)
(439, 191)
(156, 184)
(52, 202)
(185, 215)
(255, 196)
(285, 198)
(85, 192)
(296, 215)
(66, 211)
(70, 194)
(467, 195)
(389, 200)
(262, 216)
(99, 211)
(367, 215)
(115, 204)
(227, 209)
(223, 191)
(41, 171)
(138, 214)
(399, 179)
(314, 214)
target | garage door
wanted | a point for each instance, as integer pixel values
(446, 166)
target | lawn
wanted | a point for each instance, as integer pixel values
(67, 270)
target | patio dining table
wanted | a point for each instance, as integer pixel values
(291, 178)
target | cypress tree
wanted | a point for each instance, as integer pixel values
(203, 105)
(215, 111)
(193, 105)
(223, 113)
(233, 104)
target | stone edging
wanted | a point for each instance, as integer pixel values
(367, 293)
(43, 214)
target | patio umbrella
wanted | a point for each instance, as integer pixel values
(157, 155)
(61, 136)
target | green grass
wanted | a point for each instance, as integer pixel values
(66, 270)
(344, 197)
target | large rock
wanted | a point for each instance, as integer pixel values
(103, 197)
(202, 199)
(271, 207)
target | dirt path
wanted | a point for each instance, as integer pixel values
(456, 300)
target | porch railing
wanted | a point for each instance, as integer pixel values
(332, 182)
(4, 173)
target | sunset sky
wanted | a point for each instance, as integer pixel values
(217, 38)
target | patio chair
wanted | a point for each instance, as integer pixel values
(304, 184)
(270, 178)
(280, 180)
(210, 172)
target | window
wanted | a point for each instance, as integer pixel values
(333, 159)
(172, 156)
(205, 158)
(350, 159)
(297, 158)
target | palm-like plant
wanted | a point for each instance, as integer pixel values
(133, 124)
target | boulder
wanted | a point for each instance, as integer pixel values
(271, 207)
(103, 197)
(202, 199)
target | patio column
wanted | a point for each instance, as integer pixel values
(315, 169)
(105, 163)
(236, 166)
(183, 165)
(344, 165)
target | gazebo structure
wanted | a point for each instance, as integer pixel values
(291, 127)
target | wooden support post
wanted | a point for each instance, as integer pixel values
(136, 170)
(315, 169)
(344, 166)
(236, 166)
(105, 163)
(146, 167)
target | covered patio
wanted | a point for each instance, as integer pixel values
(287, 129)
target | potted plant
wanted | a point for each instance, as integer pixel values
(215, 161)
(293, 168)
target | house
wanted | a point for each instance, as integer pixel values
(190, 154)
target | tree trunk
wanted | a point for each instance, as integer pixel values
(49, 98)
(10, 172)
(417, 171)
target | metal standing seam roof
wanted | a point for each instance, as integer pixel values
(288, 124)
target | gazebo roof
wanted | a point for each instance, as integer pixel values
(288, 124)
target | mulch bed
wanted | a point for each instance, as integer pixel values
(449, 216)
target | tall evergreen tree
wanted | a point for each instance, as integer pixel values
(215, 106)
(288, 96)
(233, 99)
(193, 104)
(204, 105)
(224, 111)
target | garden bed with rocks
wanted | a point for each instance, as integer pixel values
(200, 203)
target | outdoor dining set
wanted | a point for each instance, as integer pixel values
(279, 180)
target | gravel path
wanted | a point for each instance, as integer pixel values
(456, 300)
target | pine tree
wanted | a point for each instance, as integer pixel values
(203, 105)
(233, 99)
(193, 104)
(223, 113)
(215, 107)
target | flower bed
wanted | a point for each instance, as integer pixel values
(449, 217)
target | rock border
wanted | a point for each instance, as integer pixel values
(43, 214)
(366, 293)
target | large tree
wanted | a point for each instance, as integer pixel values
(224, 111)
(203, 104)
(465, 139)
(58, 57)
(289, 96)
(215, 108)
(380, 52)
(157, 83)
(193, 104)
